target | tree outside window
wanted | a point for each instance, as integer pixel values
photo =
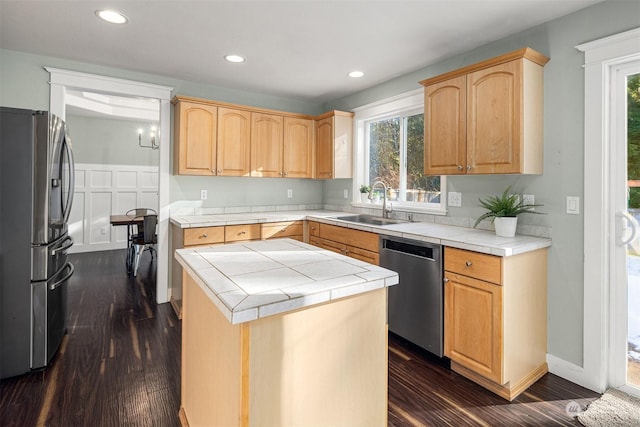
(396, 157)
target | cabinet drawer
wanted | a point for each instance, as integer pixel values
(473, 264)
(363, 255)
(329, 245)
(281, 229)
(203, 235)
(235, 233)
(314, 228)
(360, 239)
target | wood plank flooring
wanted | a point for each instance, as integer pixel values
(119, 365)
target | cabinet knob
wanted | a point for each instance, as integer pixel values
(445, 280)
(468, 263)
(282, 231)
(205, 235)
(285, 174)
(243, 232)
(459, 167)
(468, 167)
(219, 172)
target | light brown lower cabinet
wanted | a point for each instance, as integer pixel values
(496, 318)
(324, 365)
(362, 245)
(288, 229)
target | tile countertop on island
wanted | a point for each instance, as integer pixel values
(448, 235)
(254, 279)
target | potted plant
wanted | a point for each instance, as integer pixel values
(364, 193)
(503, 211)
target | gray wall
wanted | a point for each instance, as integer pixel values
(564, 152)
(24, 84)
(110, 141)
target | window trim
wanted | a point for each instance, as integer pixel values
(402, 104)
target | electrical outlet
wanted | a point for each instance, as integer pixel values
(289, 194)
(203, 194)
(346, 193)
(528, 199)
(455, 199)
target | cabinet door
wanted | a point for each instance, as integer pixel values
(266, 145)
(298, 148)
(445, 134)
(195, 133)
(473, 325)
(234, 144)
(324, 148)
(494, 121)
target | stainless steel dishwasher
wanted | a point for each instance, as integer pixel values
(416, 303)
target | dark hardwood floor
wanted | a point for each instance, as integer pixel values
(119, 365)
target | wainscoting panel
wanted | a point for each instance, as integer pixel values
(105, 190)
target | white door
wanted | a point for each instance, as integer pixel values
(624, 362)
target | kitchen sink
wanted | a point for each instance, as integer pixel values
(369, 219)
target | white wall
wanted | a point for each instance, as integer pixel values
(105, 190)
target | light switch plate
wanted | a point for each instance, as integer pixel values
(455, 199)
(573, 205)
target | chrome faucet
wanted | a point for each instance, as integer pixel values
(385, 211)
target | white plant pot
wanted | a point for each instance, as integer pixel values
(506, 226)
(364, 198)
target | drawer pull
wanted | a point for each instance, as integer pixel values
(205, 235)
(282, 231)
(468, 263)
(243, 232)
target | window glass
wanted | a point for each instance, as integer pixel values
(396, 157)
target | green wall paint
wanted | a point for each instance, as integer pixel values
(563, 151)
(110, 141)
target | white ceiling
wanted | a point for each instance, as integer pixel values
(300, 49)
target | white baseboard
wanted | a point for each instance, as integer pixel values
(567, 370)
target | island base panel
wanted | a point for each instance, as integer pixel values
(318, 366)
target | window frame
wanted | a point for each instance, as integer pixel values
(405, 104)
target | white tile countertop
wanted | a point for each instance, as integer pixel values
(254, 279)
(448, 235)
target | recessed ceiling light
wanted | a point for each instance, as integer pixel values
(112, 16)
(356, 74)
(234, 58)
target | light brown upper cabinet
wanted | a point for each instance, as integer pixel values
(298, 152)
(216, 138)
(486, 118)
(195, 138)
(334, 135)
(234, 142)
(266, 145)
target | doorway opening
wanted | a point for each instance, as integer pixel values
(62, 85)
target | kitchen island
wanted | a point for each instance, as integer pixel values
(282, 333)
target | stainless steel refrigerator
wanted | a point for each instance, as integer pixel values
(36, 193)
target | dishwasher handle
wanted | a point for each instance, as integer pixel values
(409, 248)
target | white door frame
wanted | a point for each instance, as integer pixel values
(61, 80)
(599, 224)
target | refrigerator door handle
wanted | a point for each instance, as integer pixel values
(67, 245)
(72, 180)
(54, 285)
